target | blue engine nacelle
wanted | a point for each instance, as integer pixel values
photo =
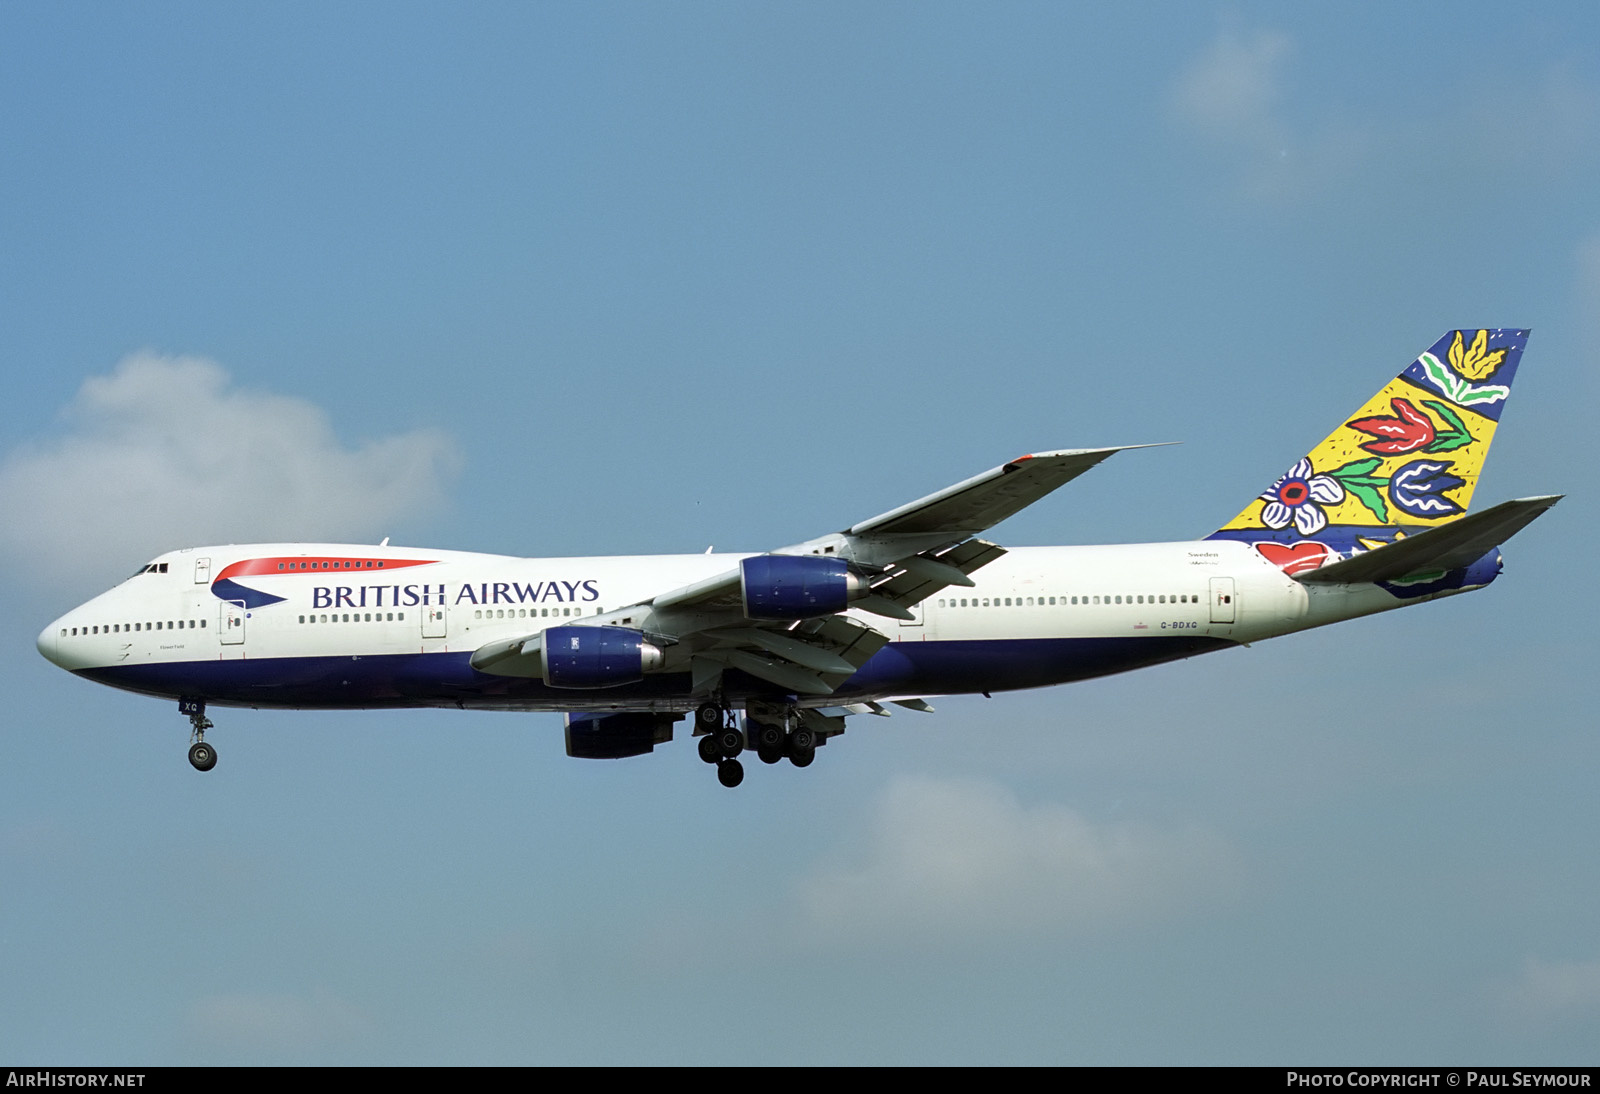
(596, 657)
(797, 586)
(614, 736)
(1474, 575)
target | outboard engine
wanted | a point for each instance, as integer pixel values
(797, 586)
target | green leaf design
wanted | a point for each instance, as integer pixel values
(1367, 494)
(1457, 436)
(1441, 375)
(1444, 411)
(1357, 477)
(1458, 389)
(1449, 442)
(1356, 469)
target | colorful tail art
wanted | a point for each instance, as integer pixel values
(1409, 459)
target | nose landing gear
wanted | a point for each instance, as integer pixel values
(201, 755)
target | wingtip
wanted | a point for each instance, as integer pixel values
(1107, 450)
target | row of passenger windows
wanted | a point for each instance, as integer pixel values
(1043, 601)
(355, 617)
(528, 613)
(129, 628)
(333, 564)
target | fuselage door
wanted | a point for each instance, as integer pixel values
(433, 621)
(202, 571)
(1222, 594)
(231, 624)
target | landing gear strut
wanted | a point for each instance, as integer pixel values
(201, 755)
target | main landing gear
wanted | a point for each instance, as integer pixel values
(201, 755)
(721, 742)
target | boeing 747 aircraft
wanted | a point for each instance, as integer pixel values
(897, 609)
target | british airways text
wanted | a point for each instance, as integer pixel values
(498, 592)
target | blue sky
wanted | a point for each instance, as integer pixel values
(626, 278)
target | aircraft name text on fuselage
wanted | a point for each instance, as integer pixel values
(482, 593)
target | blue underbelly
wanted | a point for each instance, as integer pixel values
(447, 679)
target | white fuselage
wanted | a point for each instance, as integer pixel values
(339, 625)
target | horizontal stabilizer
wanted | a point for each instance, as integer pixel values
(1446, 547)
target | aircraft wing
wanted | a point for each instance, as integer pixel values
(921, 547)
(985, 500)
(894, 561)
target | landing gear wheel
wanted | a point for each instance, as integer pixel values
(769, 736)
(202, 756)
(802, 747)
(708, 716)
(769, 755)
(710, 751)
(730, 773)
(730, 741)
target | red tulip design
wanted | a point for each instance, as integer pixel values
(1409, 430)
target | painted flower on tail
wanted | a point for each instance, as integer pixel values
(1419, 488)
(1298, 497)
(1478, 361)
(1410, 430)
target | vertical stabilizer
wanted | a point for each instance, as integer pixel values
(1409, 458)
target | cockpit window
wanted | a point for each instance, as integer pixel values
(153, 568)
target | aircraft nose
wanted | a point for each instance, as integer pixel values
(47, 643)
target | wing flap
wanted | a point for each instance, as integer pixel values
(911, 582)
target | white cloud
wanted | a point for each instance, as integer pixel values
(1231, 92)
(1235, 97)
(1554, 991)
(164, 452)
(967, 858)
(1231, 98)
(275, 1023)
